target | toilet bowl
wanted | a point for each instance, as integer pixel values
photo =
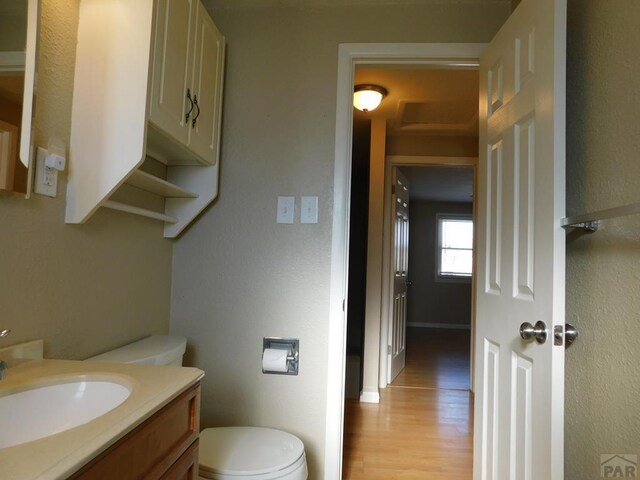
(225, 453)
(233, 453)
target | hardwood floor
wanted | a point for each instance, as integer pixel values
(436, 358)
(417, 431)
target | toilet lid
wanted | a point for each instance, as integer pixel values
(247, 450)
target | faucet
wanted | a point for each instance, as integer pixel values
(3, 365)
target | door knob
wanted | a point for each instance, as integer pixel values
(539, 331)
(409, 283)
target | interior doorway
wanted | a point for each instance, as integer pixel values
(428, 128)
(430, 136)
(423, 424)
(440, 267)
(350, 56)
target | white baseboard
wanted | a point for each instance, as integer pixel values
(370, 397)
(453, 326)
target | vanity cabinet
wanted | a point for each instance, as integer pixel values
(148, 88)
(164, 447)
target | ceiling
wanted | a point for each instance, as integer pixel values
(424, 101)
(427, 101)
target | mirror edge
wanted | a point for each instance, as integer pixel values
(31, 58)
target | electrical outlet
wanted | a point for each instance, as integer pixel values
(46, 182)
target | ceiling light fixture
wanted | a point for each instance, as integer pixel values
(368, 97)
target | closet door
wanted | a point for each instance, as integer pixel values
(171, 96)
(208, 68)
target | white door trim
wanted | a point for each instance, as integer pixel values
(349, 55)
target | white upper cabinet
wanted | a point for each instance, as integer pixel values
(207, 97)
(171, 99)
(185, 92)
(147, 88)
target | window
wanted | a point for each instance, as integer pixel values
(455, 246)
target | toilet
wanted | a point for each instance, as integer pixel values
(225, 453)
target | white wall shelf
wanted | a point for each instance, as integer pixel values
(156, 185)
(124, 207)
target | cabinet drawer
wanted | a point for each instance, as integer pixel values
(152, 448)
(186, 468)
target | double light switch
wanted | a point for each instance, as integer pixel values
(308, 209)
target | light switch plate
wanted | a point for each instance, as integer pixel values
(309, 210)
(286, 209)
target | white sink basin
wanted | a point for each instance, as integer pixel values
(40, 411)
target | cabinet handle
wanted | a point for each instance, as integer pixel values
(190, 109)
(195, 102)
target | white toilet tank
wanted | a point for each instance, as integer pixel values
(153, 350)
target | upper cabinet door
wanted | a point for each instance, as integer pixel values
(208, 67)
(171, 97)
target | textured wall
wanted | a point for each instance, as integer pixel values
(431, 301)
(435, 146)
(603, 269)
(81, 288)
(237, 275)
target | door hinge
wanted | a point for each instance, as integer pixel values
(388, 349)
(393, 189)
(344, 300)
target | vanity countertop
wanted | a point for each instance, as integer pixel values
(60, 455)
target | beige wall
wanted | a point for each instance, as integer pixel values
(237, 275)
(430, 300)
(82, 288)
(13, 27)
(603, 269)
(436, 146)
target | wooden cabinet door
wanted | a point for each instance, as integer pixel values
(208, 67)
(172, 67)
(155, 450)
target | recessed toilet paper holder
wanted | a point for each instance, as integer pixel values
(290, 345)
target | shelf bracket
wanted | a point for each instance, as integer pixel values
(590, 226)
(590, 222)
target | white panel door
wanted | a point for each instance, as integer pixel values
(398, 324)
(519, 398)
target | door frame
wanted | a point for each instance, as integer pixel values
(350, 55)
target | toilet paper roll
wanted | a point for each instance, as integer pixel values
(274, 360)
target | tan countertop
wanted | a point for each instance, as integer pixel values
(59, 455)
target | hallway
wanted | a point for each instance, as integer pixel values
(436, 358)
(416, 432)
